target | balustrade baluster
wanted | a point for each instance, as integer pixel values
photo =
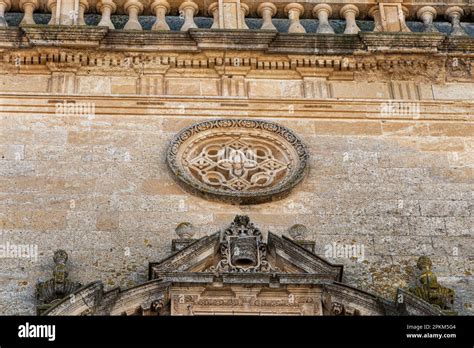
(267, 10)
(5, 5)
(133, 8)
(244, 11)
(214, 11)
(51, 6)
(454, 15)
(427, 14)
(294, 11)
(161, 8)
(28, 7)
(106, 8)
(349, 13)
(323, 12)
(188, 9)
(83, 7)
(403, 23)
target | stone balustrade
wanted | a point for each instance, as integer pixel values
(232, 14)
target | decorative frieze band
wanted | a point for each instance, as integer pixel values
(232, 69)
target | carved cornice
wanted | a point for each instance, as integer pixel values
(10, 38)
(403, 42)
(400, 56)
(332, 66)
(458, 44)
(316, 44)
(198, 40)
(64, 36)
(233, 39)
(181, 261)
(149, 41)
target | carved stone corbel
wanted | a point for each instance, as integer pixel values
(151, 307)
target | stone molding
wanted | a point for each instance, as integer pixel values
(171, 106)
(198, 40)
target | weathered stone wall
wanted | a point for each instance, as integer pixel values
(399, 184)
(99, 188)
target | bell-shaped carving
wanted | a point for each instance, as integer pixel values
(244, 251)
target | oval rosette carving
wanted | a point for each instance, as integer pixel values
(238, 161)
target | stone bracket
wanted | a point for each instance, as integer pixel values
(231, 39)
(149, 41)
(316, 43)
(402, 42)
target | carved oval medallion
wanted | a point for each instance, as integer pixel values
(238, 161)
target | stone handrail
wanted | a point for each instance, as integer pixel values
(231, 14)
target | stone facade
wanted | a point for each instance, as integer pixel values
(87, 114)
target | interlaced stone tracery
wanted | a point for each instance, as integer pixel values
(237, 164)
(242, 161)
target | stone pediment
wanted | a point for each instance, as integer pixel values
(192, 258)
(239, 252)
(236, 271)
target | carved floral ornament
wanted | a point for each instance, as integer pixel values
(238, 161)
